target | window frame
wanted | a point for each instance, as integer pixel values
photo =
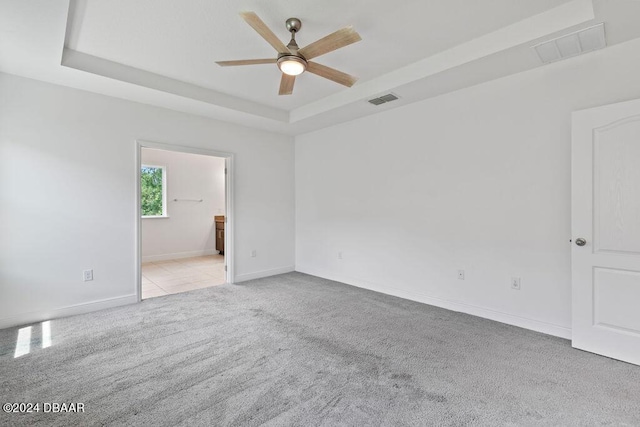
(164, 191)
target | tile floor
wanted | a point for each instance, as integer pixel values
(181, 275)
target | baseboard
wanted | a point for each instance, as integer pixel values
(487, 313)
(264, 273)
(178, 255)
(72, 310)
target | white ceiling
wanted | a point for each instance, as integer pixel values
(163, 52)
(183, 39)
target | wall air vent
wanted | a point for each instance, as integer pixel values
(582, 41)
(383, 99)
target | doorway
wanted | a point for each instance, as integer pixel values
(184, 219)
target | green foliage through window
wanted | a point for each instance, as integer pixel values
(151, 191)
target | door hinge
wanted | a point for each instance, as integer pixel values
(225, 171)
(225, 268)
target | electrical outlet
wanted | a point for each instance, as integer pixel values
(254, 253)
(339, 255)
(515, 283)
(460, 274)
(87, 275)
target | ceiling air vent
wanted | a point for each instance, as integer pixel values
(383, 99)
(573, 44)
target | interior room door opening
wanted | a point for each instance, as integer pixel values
(184, 218)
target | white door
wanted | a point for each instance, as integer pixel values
(606, 231)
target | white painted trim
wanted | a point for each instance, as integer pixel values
(137, 225)
(487, 313)
(178, 255)
(229, 205)
(229, 226)
(72, 310)
(263, 273)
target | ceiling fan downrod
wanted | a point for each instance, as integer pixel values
(293, 26)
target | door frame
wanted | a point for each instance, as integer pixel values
(229, 205)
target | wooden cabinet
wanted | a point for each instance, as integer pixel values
(219, 233)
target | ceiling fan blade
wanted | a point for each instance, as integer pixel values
(333, 41)
(246, 62)
(261, 28)
(286, 84)
(331, 74)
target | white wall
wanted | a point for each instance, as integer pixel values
(477, 180)
(189, 229)
(67, 195)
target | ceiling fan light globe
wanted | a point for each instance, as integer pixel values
(292, 65)
(292, 68)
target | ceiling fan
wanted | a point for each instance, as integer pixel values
(294, 61)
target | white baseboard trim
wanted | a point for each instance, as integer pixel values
(72, 310)
(264, 273)
(487, 313)
(178, 255)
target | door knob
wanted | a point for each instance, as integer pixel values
(580, 241)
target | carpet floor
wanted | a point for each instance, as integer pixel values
(295, 349)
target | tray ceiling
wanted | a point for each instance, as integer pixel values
(163, 52)
(182, 40)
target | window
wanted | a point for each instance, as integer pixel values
(153, 191)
